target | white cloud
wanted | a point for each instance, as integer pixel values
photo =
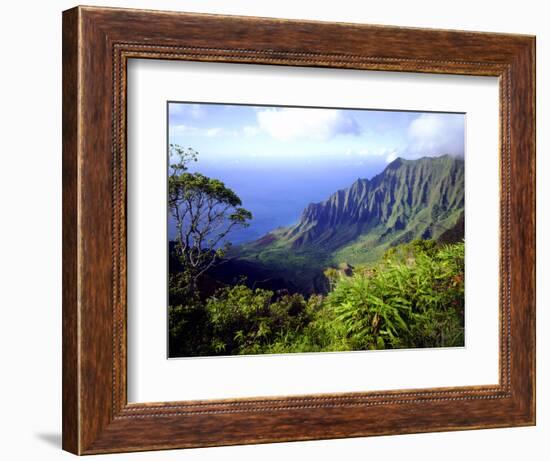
(388, 153)
(290, 124)
(436, 134)
(212, 132)
(250, 130)
(427, 135)
(193, 111)
(391, 157)
(365, 152)
(196, 111)
(182, 128)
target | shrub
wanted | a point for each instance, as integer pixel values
(188, 324)
(413, 298)
(247, 321)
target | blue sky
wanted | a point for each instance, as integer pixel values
(279, 135)
(280, 159)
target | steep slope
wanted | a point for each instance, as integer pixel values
(415, 196)
(410, 199)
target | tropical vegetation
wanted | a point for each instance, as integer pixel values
(414, 297)
(377, 266)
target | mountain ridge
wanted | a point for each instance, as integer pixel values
(409, 199)
(368, 203)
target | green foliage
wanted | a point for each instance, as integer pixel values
(247, 321)
(191, 186)
(414, 297)
(239, 317)
(181, 157)
(205, 212)
(398, 295)
(332, 275)
(188, 325)
(410, 200)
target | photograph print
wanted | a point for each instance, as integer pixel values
(309, 229)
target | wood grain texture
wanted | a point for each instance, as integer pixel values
(70, 384)
(97, 43)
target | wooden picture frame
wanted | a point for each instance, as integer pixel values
(97, 43)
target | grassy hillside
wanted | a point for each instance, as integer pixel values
(413, 297)
(410, 200)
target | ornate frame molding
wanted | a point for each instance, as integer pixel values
(97, 43)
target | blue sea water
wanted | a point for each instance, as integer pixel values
(277, 196)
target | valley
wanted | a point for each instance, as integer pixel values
(409, 200)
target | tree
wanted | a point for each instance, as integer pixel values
(205, 212)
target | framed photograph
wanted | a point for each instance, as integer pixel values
(280, 230)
